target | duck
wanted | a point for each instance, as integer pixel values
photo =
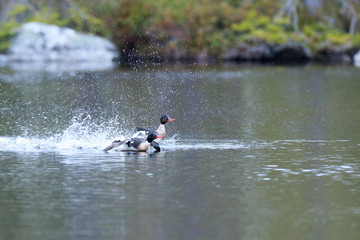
(160, 131)
(138, 143)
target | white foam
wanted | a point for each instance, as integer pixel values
(96, 143)
(83, 136)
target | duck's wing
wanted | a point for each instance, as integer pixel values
(116, 143)
(142, 129)
(147, 130)
(140, 134)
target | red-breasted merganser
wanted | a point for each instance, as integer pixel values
(160, 131)
(136, 143)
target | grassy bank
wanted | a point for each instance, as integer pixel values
(180, 29)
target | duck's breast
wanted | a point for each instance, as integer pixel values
(143, 146)
(161, 130)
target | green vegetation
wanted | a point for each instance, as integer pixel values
(169, 28)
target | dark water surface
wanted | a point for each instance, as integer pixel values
(256, 152)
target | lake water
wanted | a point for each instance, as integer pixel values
(256, 152)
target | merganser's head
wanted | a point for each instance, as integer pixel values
(152, 136)
(166, 118)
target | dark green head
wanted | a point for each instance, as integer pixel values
(152, 136)
(166, 118)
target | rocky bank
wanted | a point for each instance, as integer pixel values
(39, 43)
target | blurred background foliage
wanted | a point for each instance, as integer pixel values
(180, 27)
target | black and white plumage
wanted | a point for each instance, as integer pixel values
(139, 142)
(160, 131)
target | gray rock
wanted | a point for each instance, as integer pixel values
(357, 59)
(258, 52)
(245, 52)
(334, 55)
(43, 43)
(269, 52)
(291, 52)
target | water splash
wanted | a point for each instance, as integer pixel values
(84, 135)
(81, 135)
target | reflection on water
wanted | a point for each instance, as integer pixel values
(255, 153)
